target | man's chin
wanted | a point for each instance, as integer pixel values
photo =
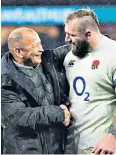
(38, 61)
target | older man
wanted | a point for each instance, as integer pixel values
(33, 96)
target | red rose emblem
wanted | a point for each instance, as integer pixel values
(95, 64)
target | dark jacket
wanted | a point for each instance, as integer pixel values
(29, 127)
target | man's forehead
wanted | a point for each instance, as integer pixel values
(31, 38)
(71, 26)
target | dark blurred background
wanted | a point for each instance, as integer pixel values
(56, 2)
(46, 18)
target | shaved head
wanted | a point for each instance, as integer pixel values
(85, 19)
(21, 37)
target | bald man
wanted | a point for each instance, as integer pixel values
(33, 96)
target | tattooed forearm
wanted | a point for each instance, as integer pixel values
(112, 129)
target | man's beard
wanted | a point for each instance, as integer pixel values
(81, 49)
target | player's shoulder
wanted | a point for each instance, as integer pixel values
(113, 42)
(111, 53)
(109, 47)
(112, 47)
(110, 43)
(70, 56)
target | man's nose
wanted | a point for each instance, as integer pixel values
(41, 49)
(67, 38)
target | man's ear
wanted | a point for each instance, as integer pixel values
(17, 52)
(87, 34)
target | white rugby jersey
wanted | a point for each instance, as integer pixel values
(92, 94)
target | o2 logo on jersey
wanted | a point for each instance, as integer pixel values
(75, 83)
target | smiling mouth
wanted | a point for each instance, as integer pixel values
(38, 55)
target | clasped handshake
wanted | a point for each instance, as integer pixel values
(66, 114)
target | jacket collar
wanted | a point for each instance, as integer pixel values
(17, 76)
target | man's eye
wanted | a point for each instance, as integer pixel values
(37, 45)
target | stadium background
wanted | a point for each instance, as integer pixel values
(46, 17)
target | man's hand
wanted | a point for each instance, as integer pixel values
(106, 145)
(66, 114)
